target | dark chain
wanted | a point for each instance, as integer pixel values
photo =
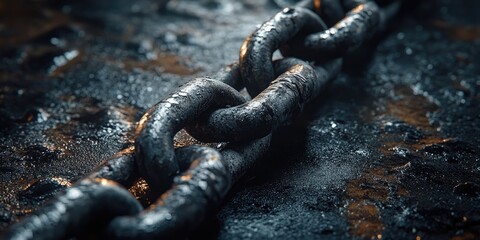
(195, 179)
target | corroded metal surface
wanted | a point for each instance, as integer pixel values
(391, 150)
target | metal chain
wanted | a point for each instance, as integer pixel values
(193, 180)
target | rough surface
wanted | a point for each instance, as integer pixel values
(391, 150)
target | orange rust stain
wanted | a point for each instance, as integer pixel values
(317, 4)
(183, 139)
(244, 48)
(428, 141)
(125, 151)
(411, 108)
(373, 186)
(466, 236)
(375, 189)
(358, 8)
(464, 33)
(165, 62)
(186, 177)
(407, 106)
(364, 220)
(388, 145)
(40, 20)
(141, 123)
(141, 191)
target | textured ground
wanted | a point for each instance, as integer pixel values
(391, 150)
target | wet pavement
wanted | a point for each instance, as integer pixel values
(390, 150)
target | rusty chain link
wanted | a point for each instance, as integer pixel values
(191, 181)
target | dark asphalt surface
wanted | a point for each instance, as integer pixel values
(390, 150)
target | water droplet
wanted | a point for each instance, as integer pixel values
(400, 36)
(152, 56)
(170, 37)
(408, 51)
(73, 193)
(288, 10)
(361, 152)
(55, 41)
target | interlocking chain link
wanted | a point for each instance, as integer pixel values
(191, 181)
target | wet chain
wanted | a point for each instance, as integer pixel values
(192, 181)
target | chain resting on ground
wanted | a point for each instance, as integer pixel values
(192, 181)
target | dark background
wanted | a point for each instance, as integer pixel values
(390, 150)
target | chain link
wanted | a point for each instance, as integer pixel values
(192, 181)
